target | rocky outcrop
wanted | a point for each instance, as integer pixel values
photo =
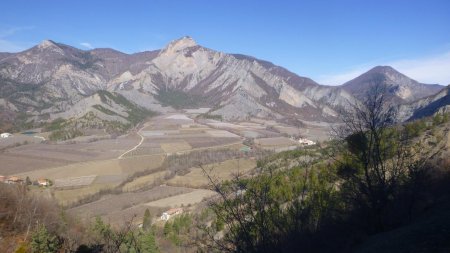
(439, 102)
(53, 78)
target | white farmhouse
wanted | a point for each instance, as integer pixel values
(306, 141)
(5, 135)
(43, 182)
(171, 212)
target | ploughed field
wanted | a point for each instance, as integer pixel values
(156, 166)
(41, 155)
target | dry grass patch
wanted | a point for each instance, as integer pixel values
(222, 171)
(221, 133)
(74, 181)
(275, 142)
(135, 213)
(175, 147)
(131, 165)
(144, 181)
(186, 199)
(143, 151)
(70, 196)
(116, 203)
(12, 164)
(104, 167)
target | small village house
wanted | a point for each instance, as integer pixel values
(14, 180)
(306, 141)
(5, 135)
(171, 212)
(43, 182)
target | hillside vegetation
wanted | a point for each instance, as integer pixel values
(297, 200)
(122, 114)
(378, 187)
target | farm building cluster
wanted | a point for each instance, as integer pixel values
(17, 180)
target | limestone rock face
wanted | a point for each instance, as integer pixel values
(437, 103)
(53, 78)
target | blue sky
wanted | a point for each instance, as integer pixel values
(329, 41)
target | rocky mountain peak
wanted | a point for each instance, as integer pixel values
(49, 45)
(391, 74)
(239, 86)
(46, 44)
(401, 87)
(383, 69)
(180, 44)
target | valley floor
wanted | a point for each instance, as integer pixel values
(147, 168)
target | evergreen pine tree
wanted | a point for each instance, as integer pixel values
(147, 220)
(43, 242)
(148, 243)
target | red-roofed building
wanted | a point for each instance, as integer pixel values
(14, 180)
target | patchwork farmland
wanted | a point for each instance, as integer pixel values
(156, 166)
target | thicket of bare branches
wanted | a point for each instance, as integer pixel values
(377, 179)
(383, 165)
(33, 223)
(21, 212)
(264, 212)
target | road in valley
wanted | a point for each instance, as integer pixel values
(135, 147)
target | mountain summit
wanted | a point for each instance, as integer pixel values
(46, 44)
(180, 44)
(400, 87)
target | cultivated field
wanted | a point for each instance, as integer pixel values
(39, 156)
(70, 196)
(186, 199)
(74, 181)
(79, 180)
(316, 131)
(12, 164)
(196, 178)
(152, 167)
(97, 168)
(19, 139)
(130, 165)
(276, 143)
(144, 181)
(120, 202)
(175, 147)
(134, 214)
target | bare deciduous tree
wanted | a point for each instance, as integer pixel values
(380, 158)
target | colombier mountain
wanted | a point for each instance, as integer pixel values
(55, 80)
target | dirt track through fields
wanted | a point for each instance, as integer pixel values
(135, 147)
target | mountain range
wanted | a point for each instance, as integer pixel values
(52, 80)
